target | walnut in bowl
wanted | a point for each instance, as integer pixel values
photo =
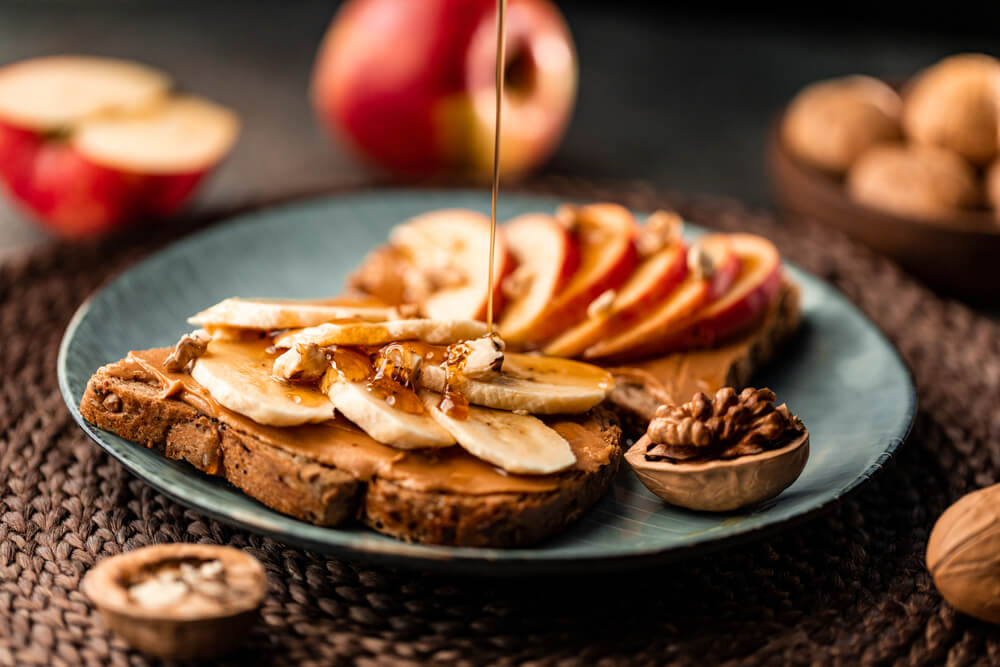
(927, 182)
(179, 601)
(956, 104)
(721, 453)
(830, 123)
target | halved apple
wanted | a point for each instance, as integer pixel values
(547, 257)
(450, 249)
(87, 144)
(655, 277)
(742, 305)
(605, 234)
(646, 336)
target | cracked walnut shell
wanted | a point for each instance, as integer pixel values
(680, 457)
(179, 601)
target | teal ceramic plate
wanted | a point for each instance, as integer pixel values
(840, 375)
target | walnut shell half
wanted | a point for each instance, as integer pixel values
(179, 601)
(963, 554)
(721, 485)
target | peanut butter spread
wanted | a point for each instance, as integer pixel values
(340, 444)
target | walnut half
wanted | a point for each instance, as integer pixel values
(721, 453)
(179, 601)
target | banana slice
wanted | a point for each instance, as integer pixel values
(238, 376)
(271, 314)
(386, 424)
(516, 443)
(436, 332)
(539, 385)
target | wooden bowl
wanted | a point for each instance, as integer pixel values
(959, 255)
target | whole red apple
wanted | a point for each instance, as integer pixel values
(410, 84)
(90, 144)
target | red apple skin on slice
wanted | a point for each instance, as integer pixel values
(651, 282)
(757, 285)
(605, 234)
(646, 336)
(547, 257)
(456, 240)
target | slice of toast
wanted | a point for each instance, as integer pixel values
(129, 401)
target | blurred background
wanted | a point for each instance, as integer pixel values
(682, 98)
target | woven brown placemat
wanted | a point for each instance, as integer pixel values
(849, 587)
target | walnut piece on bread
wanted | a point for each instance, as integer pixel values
(188, 348)
(830, 123)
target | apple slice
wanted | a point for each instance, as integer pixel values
(452, 247)
(56, 92)
(547, 257)
(605, 234)
(742, 305)
(655, 277)
(695, 291)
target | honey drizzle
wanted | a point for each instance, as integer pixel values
(501, 44)
(453, 402)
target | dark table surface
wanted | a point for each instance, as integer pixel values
(682, 101)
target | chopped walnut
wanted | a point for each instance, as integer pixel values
(484, 356)
(726, 426)
(420, 282)
(303, 362)
(699, 262)
(174, 583)
(567, 216)
(517, 283)
(188, 348)
(661, 229)
(400, 362)
(602, 304)
(408, 311)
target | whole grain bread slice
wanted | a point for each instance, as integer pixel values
(132, 405)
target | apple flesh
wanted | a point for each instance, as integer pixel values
(410, 85)
(651, 282)
(647, 336)
(87, 145)
(547, 257)
(451, 249)
(742, 305)
(605, 235)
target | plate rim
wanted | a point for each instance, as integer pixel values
(468, 560)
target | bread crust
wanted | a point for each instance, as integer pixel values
(134, 408)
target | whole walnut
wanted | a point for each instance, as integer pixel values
(993, 188)
(963, 554)
(830, 123)
(956, 104)
(920, 181)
